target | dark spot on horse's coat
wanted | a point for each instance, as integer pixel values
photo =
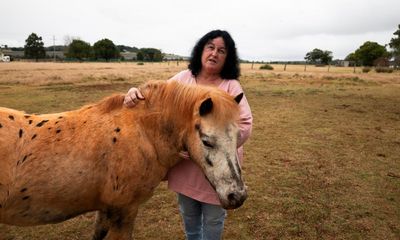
(20, 133)
(1, 206)
(23, 190)
(60, 117)
(1, 125)
(30, 122)
(34, 136)
(56, 122)
(58, 131)
(41, 123)
(11, 117)
(168, 128)
(27, 116)
(197, 126)
(25, 198)
(25, 157)
(117, 129)
(49, 128)
(114, 139)
(84, 122)
(233, 172)
(209, 161)
(115, 186)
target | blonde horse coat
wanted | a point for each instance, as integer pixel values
(109, 158)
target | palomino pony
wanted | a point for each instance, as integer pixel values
(109, 158)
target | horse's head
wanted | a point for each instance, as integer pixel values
(212, 144)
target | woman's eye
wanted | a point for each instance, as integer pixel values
(207, 144)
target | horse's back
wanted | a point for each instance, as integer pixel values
(37, 168)
(70, 161)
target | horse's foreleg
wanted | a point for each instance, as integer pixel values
(115, 224)
(102, 225)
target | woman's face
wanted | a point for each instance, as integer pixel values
(213, 56)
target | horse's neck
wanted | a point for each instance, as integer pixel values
(165, 135)
(166, 122)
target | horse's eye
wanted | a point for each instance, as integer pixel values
(207, 144)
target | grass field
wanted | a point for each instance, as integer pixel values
(323, 161)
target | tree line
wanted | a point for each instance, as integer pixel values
(103, 49)
(368, 54)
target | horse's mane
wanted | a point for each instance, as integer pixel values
(177, 97)
(173, 97)
(109, 104)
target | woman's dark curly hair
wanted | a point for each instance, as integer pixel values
(230, 69)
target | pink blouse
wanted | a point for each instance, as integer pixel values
(186, 177)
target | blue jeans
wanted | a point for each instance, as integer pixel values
(202, 221)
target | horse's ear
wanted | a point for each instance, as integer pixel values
(206, 107)
(238, 98)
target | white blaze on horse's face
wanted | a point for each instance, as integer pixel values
(216, 153)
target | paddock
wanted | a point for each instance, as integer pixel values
(323, 160)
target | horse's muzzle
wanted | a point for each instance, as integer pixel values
(235, 199)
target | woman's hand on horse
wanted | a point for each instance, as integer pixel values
(132, 97)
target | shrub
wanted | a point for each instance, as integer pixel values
(383, 70)
(366, 69)
(140, 63)
(266, 67)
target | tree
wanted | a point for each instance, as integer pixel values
(395, 46)
(123, 48)
(34, 47)
(79, 49)
(352, 59)
(150, 54)
(140, 56)
(367, 53)
(105, 49)
(319, 56)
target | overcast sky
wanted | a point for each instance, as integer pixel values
(262, 29)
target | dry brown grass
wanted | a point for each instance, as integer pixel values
(323, 161)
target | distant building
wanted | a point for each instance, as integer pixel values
(13, 54)
(342, 63)
(4, 58)
(129, 55)
(4, 55)
(173, 57)
(58, 54)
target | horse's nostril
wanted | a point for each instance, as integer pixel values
(231, 196)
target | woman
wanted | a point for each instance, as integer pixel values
(213, 62)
